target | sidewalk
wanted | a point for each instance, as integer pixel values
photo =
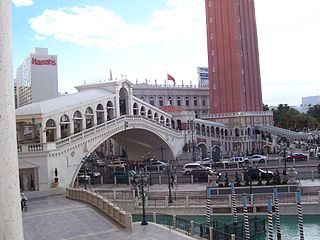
(59, 218)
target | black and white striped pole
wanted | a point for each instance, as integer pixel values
(208, 217)
(300, 217)
(246, 218)
(276, 209)
(233, 202)
(270, 231)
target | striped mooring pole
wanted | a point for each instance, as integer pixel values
(276, 209)
(270, 231)
(233, 202)
(246, 218)
(208, 218)
(300, 218)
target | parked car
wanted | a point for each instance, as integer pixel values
(95, 174)
(81, 178)
(257, 158)
(297, 156)
(99, 163)
(189, 167)
(258, 172)
(117, 164)
(235, 160)
(157, 166)
(205, 161)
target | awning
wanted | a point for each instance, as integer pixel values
(290, 135)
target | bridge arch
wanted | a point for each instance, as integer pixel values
(123, 101)
(110, 110)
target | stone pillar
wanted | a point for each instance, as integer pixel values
(11, 219)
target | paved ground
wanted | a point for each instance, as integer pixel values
(58, 218)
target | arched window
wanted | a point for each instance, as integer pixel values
(195, 101)
(160, 101)
(100, 114)
(77, 121)
(51, 130)
(89, 117)
(150, 115)
(142, 111)
(110, 110)
(135, 109)
(178, 101)
(151, 101)
(65, 126)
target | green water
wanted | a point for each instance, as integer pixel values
(289, 226)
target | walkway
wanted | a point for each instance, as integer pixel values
(56, 217)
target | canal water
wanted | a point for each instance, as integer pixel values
(289, 226)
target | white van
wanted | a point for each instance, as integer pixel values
(235, 160)
(189, 167)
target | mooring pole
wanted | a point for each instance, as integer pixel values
(270, 230)
(276, 209)
(246, 218)
(300, 217)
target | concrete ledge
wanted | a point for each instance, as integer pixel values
(105, 206)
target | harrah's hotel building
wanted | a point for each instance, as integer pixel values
(37, 77)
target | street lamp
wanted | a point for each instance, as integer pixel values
(192, 141)
(283, 139)
(140, 180)
(170, 181)
(126, 150)
(149, 161)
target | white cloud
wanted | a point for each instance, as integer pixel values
(172, 39)
(95, 26)
(22, 3)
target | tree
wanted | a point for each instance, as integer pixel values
(314, 111)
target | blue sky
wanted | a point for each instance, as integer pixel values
(145, 39)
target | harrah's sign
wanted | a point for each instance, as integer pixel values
(50, 61)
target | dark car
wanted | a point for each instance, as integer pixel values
(258, 172)
(201, 174)
(297, 156)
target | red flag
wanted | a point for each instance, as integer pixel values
(169, 77)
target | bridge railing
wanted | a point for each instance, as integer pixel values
(40, 147)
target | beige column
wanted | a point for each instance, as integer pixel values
(11, 219)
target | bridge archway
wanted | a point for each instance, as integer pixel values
(123, 101)
(203, 150)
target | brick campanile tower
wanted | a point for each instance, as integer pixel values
(233, 56)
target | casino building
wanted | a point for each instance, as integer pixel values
(37, 77)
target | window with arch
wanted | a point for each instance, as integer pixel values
(135, 109)
(160, 101)
(143, 111)
(110, 110)
(179, 127)
(187, 102)
(77, 121)
(162, 119)
(65, 126)
(195, 101)
(89, 117)
(51, 130)
(150, 115)
(151, 101)
(156, 117)
(100, 114)
(167, 122)
(203, 101)
(170, 101)
(179, 101)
